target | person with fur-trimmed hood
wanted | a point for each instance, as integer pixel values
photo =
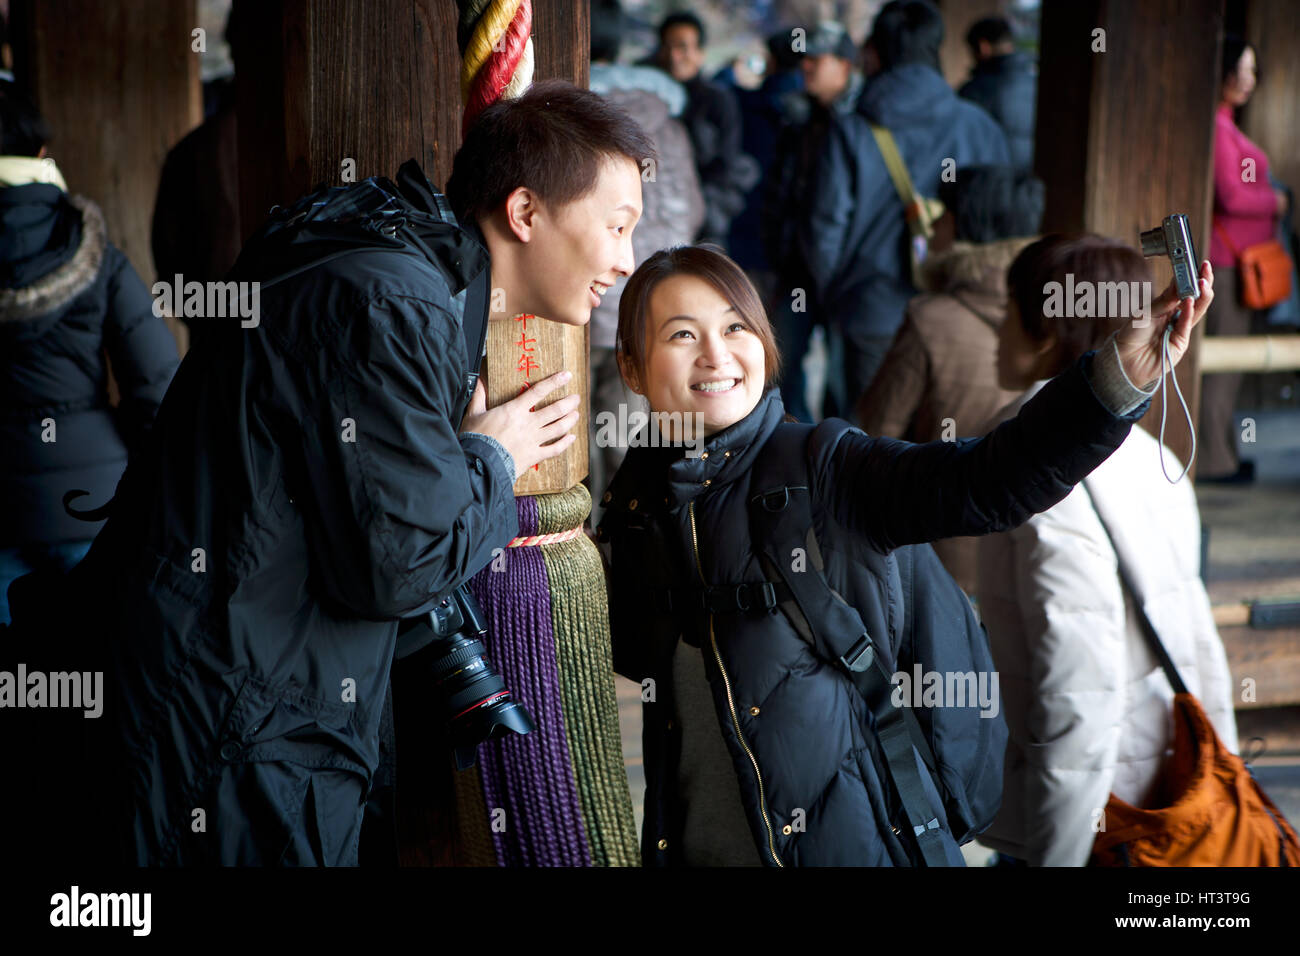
(67, 298)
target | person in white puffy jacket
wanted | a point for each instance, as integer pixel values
(1088, 708)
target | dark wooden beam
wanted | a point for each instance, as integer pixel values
(375, 82)
(329, 81)
(1126, 136)
(119, 85)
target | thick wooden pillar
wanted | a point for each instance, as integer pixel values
(374, 82)
(1272, 117)
(330, 81)
(1126, 133)
(119, 85)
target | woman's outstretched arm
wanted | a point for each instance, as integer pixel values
(898, 493)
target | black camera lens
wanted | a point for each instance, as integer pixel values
(468, 693)
(473, 696)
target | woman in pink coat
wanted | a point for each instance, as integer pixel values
(1246, 212)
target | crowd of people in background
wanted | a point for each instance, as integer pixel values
(932, 353)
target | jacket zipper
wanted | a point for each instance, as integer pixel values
(731, 703)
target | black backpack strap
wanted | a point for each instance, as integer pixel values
(474, 323)
(781, 521)
(471, 304)
(738, 598)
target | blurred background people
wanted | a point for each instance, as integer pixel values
(1004, 84)
(831, 86)
(68, 297)
(939, 380)
(763, 113)
(1246, 212)
(854, 236)
(672, 209)
(712, 118)
(196, 221)
(1089, 710)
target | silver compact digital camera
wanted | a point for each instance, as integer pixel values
(1173, 238)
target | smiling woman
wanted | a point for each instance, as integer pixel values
(757, 733)
(693, 337)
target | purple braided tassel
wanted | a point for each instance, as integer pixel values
(530, 777)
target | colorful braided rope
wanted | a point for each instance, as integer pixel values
(564, 787)
(532, 540)
(496, 53)
(558, 796)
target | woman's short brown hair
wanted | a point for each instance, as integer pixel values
(1087, 259)
(704, 262)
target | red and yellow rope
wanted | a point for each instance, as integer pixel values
(496, 53)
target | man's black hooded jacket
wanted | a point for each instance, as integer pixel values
(307, 489)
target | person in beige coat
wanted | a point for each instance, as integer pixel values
(1088, 708)
(938, 381)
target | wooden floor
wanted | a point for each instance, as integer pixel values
(1254, 559)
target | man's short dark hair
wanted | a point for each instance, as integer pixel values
(607, 28)
(551, 140)
(22, 128)
(992, 30)
(781, 47)
(907, 31)
(682, 18)
(989, 203)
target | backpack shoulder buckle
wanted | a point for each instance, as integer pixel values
(858, 658)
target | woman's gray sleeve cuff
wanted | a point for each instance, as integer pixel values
(1111, 383)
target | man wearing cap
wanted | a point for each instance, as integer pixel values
(854, 234)
(832, 83)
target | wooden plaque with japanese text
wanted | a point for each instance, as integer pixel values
(521, 351)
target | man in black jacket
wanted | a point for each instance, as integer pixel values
(832, 84)
(854, 236)
(712, 117)
(312, 482)
(1004, 84)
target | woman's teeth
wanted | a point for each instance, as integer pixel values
(599, 289)
(723, 386)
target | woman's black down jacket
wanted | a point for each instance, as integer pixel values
(801, 718)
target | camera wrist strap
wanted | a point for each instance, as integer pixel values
(1166, 369)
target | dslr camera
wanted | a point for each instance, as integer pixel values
(442, 654)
